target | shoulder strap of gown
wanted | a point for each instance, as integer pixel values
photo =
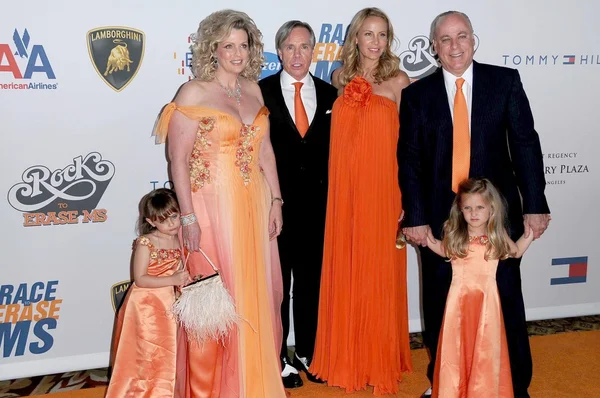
(161, 127)
(144, 241)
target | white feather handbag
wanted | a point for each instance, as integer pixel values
(205, 309)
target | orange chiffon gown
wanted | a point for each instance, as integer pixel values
(362, 335)
(232, 201)
(472, 359)
(145, 340)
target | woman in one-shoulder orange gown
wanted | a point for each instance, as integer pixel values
(362, 335)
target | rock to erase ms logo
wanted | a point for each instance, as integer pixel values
(116, 53)
(67, 195)
(29, 315)
(419, 60)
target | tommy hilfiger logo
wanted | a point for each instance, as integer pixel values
(577, 267)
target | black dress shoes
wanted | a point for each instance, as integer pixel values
(289, 374)
(303, 363)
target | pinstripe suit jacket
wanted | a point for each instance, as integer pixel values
(505, 147)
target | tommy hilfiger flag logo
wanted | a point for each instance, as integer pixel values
(577, 267)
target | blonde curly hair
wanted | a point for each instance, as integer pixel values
(214, 29)
(389, 63)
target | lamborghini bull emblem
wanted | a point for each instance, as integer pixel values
(118, 58)
(116, 53)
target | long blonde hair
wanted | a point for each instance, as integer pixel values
(214, 29)
(456, 234)
(389, 63)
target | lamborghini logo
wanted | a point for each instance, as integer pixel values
(117, 293)
(116, 53)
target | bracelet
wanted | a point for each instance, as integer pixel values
(276, 199)
(188, 219)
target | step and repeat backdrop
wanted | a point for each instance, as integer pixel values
(81, 85)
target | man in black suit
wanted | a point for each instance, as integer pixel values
(504, 147)
(300, 115)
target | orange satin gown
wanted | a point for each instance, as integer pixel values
(362, 334)
(232, 201)
(145, 340)
(472, 359)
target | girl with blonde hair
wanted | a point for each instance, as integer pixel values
(472, 358)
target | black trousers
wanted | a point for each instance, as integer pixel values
(436, 274)
(301, 255)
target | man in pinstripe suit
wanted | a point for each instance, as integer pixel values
(504, 147)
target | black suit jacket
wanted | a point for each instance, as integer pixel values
(505, 147)
(302, 162)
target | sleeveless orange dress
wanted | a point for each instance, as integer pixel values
(145, 340)
(472, 358)
(362, 335)
(232, 200)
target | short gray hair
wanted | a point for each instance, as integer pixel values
(285, 30)
(438, 20)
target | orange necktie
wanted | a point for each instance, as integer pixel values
(299, 111)
(461, 141)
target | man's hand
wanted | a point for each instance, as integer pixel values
(536, 223)
(419, 235)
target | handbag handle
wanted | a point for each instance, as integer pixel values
(205, 256)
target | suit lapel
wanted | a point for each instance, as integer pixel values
(478, 105)
(442, 108)
(319, 110)
(282, 108)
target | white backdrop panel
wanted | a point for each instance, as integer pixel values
(68, 325)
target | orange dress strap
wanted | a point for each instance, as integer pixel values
(144, 241)
(161, 127)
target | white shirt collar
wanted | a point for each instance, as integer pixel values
(450, 79)
(287, 80)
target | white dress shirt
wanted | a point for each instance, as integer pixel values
(307, 92)
(467, 88)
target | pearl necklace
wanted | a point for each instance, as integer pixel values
(235, 93)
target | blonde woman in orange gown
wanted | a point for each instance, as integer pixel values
(145, 340)
(362, 335)
(224, 173)
(472, 357)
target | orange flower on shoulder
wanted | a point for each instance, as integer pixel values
(358, 92)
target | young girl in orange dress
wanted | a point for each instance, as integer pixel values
(472, 351)
(145, 341)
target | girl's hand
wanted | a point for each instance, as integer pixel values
(180, 278)
(275, 220)
(435, 246)
(529, 234)
(191, 237)
(401, 217)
